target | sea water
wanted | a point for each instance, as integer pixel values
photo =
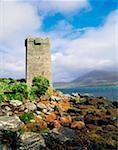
(110, 92)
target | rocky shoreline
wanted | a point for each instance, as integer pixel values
(59, 122)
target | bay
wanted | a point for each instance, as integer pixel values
(110, 92)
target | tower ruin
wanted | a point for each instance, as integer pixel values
(38, 58)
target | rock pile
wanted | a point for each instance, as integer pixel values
(59, 122)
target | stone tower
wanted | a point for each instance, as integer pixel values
(38, 58)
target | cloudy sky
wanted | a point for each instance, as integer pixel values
(83, 34)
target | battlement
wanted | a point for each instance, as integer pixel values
(38, 58)
(37, 41)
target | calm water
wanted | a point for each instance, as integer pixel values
(111, 92)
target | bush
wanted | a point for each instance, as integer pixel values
(32, 93)
(1, 98)
(26, 118)
(40, 85)
(14, 96)
(20, 88)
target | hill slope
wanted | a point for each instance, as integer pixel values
(93, 78)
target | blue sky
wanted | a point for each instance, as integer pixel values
(83, 35)
(92, 17)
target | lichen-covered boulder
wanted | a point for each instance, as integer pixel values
(31, 141)
(30, 106)
(10, 123)
(16, 103)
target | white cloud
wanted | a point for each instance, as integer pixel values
(17, 21)
(95, 49)
(68, 5)
(62, 6)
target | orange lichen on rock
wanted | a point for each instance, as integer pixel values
(57, 124)
(64, 105)
(28, 127)
(78, 124)
(37, 120)
(42, 125)
(24, 128)
(51, 117)
(66, 119)
(45, 102)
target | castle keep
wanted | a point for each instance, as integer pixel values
(38, 58)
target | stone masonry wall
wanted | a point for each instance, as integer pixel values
(38, 58)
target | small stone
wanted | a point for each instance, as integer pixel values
(75, 95)
(78, 124)
(22, 107)
(44, 110)
(16, 103)
(56, 98)
(39, 117)
(41, 106)
(38, 112)
(48, 113)
(30, 106)
(45, 97)
(53, 103)
(66, 119)
(7, 108)
(26, 110)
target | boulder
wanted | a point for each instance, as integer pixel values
(16, 103)
(10, 123)
(31, 141)
(65, 139)
(30, 106)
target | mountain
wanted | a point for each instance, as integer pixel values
(93, 78)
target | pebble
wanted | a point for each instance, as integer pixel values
(38, 112)
(7, 108)
(30, 106)
(56, 98)
(41, 106)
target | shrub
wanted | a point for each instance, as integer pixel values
(32, 93)
(40, 85)
(21, 89)
(16, 96)
(1, 98)
(26, 118)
